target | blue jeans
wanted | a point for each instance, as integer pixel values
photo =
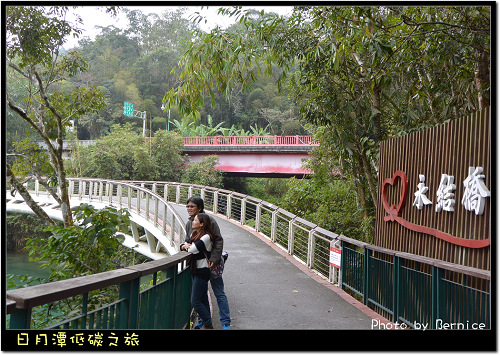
(218, 288)
(199, 300)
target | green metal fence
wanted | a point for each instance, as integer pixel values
(398, 285)
(163, 305)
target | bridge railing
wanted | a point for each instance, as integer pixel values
(407, 288)
(146, 203)
(249, 140)
(163, 305)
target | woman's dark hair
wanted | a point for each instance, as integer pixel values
(198, 201)
(205, 229)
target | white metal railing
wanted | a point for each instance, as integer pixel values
(302, 239)
(163, 228)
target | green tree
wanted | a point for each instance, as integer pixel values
(166, 151)
(90, 246)
(121, 155)
(204, 172)
(126, 155)
(362, 72)
(34, 39)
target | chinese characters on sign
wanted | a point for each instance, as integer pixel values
(445, 194)
(420, 197)
(475, 191)
(474, 198)
(128, 109)
(335, 257)
(62, 339)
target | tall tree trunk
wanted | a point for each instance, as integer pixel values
(482, 79)
(377, 125)
(359, 187)
(63, 188)
(369, 177)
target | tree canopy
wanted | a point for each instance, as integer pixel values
(359, 74)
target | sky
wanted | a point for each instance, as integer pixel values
(92, 17)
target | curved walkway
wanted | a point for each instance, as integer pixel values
(268, 289)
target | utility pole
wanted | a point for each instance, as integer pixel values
(168, 119)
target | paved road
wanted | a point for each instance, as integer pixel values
(267, 291)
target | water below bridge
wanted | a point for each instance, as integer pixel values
(268, 289)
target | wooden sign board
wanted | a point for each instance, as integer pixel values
(434, 192)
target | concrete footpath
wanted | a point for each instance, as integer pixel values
(268, 289)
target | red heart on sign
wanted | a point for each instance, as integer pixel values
(392, 210)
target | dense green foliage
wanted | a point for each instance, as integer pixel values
(137, 64)
(91, 245)
(358, 74)
(126, 155)
(355, 75)
(203, 172)
(36, 73)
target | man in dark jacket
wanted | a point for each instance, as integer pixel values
(194, 206)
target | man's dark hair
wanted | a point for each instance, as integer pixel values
(198, 201)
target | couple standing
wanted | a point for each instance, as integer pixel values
(204, 241)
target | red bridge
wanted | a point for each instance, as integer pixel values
(254, 156)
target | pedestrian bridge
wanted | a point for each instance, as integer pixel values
(280, 273)
(250, 156)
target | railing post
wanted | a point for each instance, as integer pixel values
(155, 221)
(110, 192)
(343, 265)
(243, 210)
(119, 193)
(291, 236)
(310, 248)
(258, 212)
(366, 275)
(20, 319)
(165, 192)
(228, 206)
(37, 188)
(129, 292)
(171, 273)
(274, 223)
(216, 201)
(100, 191)
(91, 189)
(172, 232)
(178, 194)
(129, 197)
(435, 295)
(164, 220)
(147, 207)
(395, 288)
(134, 303)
